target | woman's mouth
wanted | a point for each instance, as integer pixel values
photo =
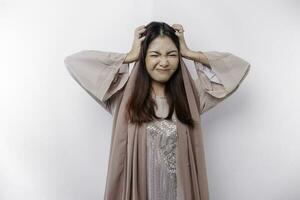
(163, 70)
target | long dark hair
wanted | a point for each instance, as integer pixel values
(141, 109)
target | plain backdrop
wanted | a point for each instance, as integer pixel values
(54, 138)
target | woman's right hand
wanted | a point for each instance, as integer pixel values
(133, 54)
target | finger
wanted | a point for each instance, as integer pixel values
(140, 27)
(178, 25)
(175, 27)
(178, 28)
(142, 38)
(141, 30)
(139, 35)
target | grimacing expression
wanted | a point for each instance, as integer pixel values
(161, 59)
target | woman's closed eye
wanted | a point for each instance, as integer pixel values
(157, 55)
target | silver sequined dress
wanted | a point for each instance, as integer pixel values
(162, 155)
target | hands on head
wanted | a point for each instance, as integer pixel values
(139, 37)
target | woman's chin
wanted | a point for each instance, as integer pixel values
(162, 80)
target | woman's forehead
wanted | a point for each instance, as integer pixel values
(162, 44)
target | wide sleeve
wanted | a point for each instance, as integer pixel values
(101, 74)
(219, 80)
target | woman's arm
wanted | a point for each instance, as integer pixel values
(101, 74)
(197, 56)
(229, 69)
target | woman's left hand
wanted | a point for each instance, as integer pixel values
(179, 32)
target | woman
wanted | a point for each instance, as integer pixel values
(156, 148)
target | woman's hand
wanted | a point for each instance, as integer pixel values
(179, 32)
(133, 54)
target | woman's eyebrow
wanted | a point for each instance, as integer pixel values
(168, 51)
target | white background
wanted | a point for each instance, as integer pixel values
(54, 138)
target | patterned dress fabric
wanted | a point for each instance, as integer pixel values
(161, 154)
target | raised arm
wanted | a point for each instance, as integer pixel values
(219, 75)
(104, 74)
(101, 74)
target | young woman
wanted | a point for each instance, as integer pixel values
(156, 148)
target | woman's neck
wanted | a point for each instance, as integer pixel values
(158, 88)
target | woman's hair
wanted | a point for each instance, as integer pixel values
(140, 107)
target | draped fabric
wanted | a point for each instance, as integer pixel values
(107, 79)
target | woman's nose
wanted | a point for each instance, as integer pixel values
(163, 61)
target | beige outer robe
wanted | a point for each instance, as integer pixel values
(107, 79)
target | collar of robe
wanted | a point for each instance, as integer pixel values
(127, 169)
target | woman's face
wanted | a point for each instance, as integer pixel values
(162, 59)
